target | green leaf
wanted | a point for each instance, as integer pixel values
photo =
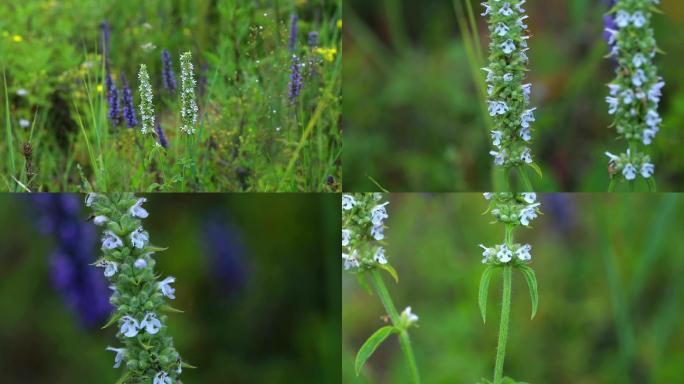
(532, 284)
(391, 271)
(536, 168)
(168, 308)
(115, 317)
(127, 375)
(371, 345)
(153, 187)
(186, 365)
(484, 291)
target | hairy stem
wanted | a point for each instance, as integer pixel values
(503, 326)
(394, 317)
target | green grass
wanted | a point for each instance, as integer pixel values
(249, 136)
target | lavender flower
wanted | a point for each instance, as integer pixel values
(167, 74)
(83, 289)
(113, 100)
(128, 107)
(161, 137)
(226, 253)
(292, 42)
(313, 39)
(106, 31)
(295, 86)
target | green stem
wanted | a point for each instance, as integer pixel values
(503, 326)
(611, 186)
(394, 317)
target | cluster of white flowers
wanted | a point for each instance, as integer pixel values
(188, 104)
(146, 101)
(128, 257)
(635, 93)
(509, 97)
(363, 217)
(502, 253)
(511, 208)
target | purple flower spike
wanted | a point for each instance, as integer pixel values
(128, 107)
(167, 74)
(295, 85)
(226, 251)
(106, 31)
(82, 288)
(161, 137)
(313, 39)
(292, 43)
(113, 101)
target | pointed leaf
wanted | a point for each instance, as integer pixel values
(371, 345)
(391, 271)
(115, 317)
(484, 291)
(186, 365)
(532, 285)
(168, 308)
(536, 168)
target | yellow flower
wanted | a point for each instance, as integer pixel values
(339, 24)
(99, 88)
(17, 38)
(328, 54)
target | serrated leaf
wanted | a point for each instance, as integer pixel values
(531, 279)
(390, 270)
(536, 168)
(484, 291)
(115, 317)
(371, 345)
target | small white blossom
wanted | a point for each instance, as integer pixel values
(119, 355)
(378, 232)
(165, 287)
(622, 18)
(496, 138)
(379, 256)
(348, 202)
(162, 378)
(129, 326)
(111, 268)
(647, 170)
(140, 263)
(499, 157)
(523, 253)
(100, 220)
(409, 316)
(346, 236)
(529, 197)
(139, 238)
(350, 261)
(508, 47)
(379, 214)
(151, 323)
(638, 19)
(486, 253)
(526, 156)
(110, 240)
(137, 210)
(501, 29)
(629, 172)
(504, 254)
(528, 213)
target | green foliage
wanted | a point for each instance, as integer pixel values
(371, 345)
(484, 290)
(531, 279)
(249, 136)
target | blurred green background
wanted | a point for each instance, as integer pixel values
(280, 325)
(412, 115)
(610, 292)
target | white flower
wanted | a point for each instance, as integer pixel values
(653, 118)
(504, 255)
(140, 263)
(348, 202)
(379, 214)
(496, 138)
(24, 123)
(501, 29)
(499, 157)
(614, 89)
(613, 158)
(628, 96)
(647, 170)
(506, 9)
(527, 89)
(508, 77)
(486, 253)
(508, 47)
(378, 232)
(525, 134)
(629, 172)
(346, 236)
(110, 268)
(110, 240)
(648, 135)
(638, 19)
(638, 60)
(129, 326)
(622, 18)
(165, 287)
(139, 238)
(409, 316)
(613, 104)
(523, 253)
(529, 197)
(497, 108)
(655, 92)
(639, 78)
(350, 261)
(22, 92)
(162, 378)
(151, 323)
(99, 220)
(487, 9)
(379, 256)
(137, 210)
(488, 195)
(90, 199)
(527, 117)
(526, 156)
(528, 213)
(119, 355)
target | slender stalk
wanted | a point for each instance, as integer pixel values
(527, 184)
(503, 325)
(394, 317)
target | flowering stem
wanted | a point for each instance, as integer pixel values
(404, 340)
(525, 180)
(505, 315)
